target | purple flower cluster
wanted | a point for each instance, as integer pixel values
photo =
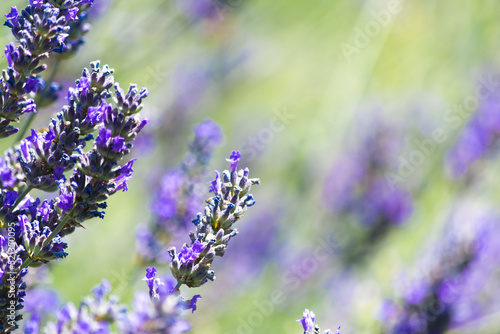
(310, 327)
(41, 29)
(42, 161)
(179, 196)
(214, 227)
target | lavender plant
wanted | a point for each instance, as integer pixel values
(33, 229)
(358, 190)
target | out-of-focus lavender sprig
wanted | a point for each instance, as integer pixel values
(479, 138)
(357, 187)
(41, 29)
(310, 327)
(95, 314)
(214, 227)
(179, 196)
(440, 300)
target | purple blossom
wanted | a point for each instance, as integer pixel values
(72, 14)
(192, 303)
(10, 198)
(66, 201)
(150, 277)
(125, 175)
(32, 85)
(307, 320)
(13, 16)
(6, 174)
(118, 144)
(10, 51)
(190, 254)
(208, 132)
(215, 185)
(101, 290)
(104, 136)
(234, 159)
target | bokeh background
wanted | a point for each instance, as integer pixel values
(328, 101)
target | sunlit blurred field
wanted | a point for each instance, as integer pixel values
(293, 86)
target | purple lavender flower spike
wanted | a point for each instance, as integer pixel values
(25, 60)
(214, 229)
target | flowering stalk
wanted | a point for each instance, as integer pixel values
(42, 159)
(41, 29)
(214, 227)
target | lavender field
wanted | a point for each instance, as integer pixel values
(250, 166)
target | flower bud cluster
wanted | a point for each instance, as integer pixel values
(42, 159)
(214, 227)
(41, 29)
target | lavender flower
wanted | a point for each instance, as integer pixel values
(308, 323)
(41, 29)
(214, 228)
(42, 158)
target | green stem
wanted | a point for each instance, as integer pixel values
(32, 116)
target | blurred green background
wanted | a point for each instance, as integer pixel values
(303, 60)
